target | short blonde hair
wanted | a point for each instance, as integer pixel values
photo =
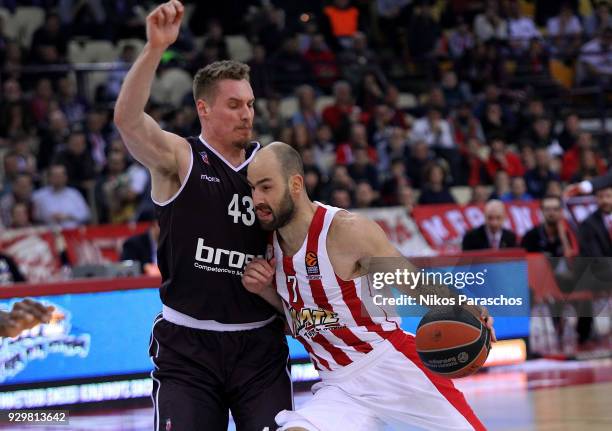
(206, 79)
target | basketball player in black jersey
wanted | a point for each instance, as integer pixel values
(215, 346)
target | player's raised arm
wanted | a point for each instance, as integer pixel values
(147, 142)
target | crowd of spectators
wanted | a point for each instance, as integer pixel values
(486, 112)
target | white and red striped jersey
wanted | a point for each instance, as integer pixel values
(326, 313)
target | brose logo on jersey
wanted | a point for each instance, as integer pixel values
(229, 261)
(308, 322)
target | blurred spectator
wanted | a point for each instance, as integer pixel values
(596, 59)
(125, 19)
(340, 178)
(599, 19)
(501, 184)
(290, 68)
(21, 146)
(96, 136)
(343, 21)
(365, 196)
(476, 155)
(313, 183)
(521, 28)
(391, 15)
(16, 121)
(435, 189)
(359, 60)
(78, 162)
(490, 25)
(307, 114)
(21, 216)
(392, 96)
(588, 167)
(42, 99)
(465, 126)
(433, 130)
(269, 25)
(565, 30)
(553, 237)
(322, 63)
(420, 157)
(518, 191)
(494, 124)
(595, 238)
(10, 164)
(390, 190)
(84, 18)
(554, 188)
(501, 158)
(392, 148)
(52, 137)
(596, 230)
(345, 152)
(538, 178)
(370, 93)
(479, 195)
(456, 93)
(106, 182)
(271, 121)
(461, 40)
(58, 204)
(491, 235)
(143, 247)
(49, 42)
(423, 31)
(362, 168)
(407, 199)
(341, 198)
(324, 149)
(571, 128)
(21, 193)
(570, 163)
(71, 103)
(541, 136)
(534, 62)
(342, 112)
(260, 73)
(117, 75)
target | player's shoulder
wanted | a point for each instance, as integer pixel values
(348, 226)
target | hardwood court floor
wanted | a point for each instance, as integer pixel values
(536, 396)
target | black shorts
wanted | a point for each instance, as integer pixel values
(201, 375)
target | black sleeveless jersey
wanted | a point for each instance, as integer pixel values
(208, 233)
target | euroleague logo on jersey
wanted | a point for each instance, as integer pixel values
(312, 266)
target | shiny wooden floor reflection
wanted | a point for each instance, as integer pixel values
(539, 395)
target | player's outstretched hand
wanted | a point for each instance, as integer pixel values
(25, 315)
(164, 24)
(258, 275)
(482, 313)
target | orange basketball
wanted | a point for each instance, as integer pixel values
(452, 342)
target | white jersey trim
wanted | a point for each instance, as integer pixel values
(186, 179)
(234, 168)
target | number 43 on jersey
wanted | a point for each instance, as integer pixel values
(247, 215)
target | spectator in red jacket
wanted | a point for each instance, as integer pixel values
(322, 62)
(501, 158)
(343, 111)
(570, 164)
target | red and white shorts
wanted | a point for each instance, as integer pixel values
(389, 387)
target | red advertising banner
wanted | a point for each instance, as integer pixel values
(35, 252)
(99, 244)
(443, 226)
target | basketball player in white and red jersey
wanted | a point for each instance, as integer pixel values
(371, 375)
